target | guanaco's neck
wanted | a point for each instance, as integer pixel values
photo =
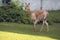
(29, 12)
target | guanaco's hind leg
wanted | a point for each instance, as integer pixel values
(42, 27)
(44, 23)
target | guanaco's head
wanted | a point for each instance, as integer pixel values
(27, 6)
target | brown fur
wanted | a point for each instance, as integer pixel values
(38, 12)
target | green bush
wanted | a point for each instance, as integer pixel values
(14, 13)
(54, 16)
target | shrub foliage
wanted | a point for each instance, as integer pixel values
(13, 13)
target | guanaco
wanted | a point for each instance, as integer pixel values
(36, 16)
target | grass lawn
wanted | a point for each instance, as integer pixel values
(15, 31)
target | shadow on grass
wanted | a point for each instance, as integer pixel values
(27, 29)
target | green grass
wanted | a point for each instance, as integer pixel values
(15, 31)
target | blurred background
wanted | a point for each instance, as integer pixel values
(38, 4)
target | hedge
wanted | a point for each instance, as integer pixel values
(13, 13)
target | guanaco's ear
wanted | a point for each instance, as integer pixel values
(28, 3)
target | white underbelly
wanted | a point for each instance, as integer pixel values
(41, 17)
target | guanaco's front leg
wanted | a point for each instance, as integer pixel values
(35, 23)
